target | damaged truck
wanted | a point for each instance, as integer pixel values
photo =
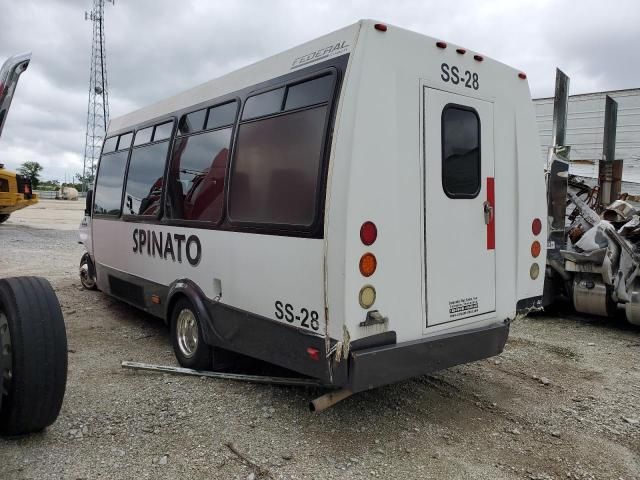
(593, 254)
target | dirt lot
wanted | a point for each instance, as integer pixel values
(562, 401)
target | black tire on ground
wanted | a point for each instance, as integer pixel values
(35, 384)
(4, 217)
(197, 355)
(86, 278)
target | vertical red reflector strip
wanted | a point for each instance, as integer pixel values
(491, 226)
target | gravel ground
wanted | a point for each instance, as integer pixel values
(562, 401)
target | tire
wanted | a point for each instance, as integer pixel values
(87, 278)
(33, 335)
(4, 217)
(188, 342)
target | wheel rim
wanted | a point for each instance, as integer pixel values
(187, 333)
(5, 350)
(85, 277)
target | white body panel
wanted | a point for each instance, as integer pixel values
(246, 265)
(378, 164)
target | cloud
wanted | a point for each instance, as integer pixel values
(156, 48)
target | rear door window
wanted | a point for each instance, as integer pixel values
(460, 152)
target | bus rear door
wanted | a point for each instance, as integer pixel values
(458, 159)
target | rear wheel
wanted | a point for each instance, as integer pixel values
(34, 355)
(186, 336)
(4, 217)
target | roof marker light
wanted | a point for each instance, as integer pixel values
(441, 45)
(522, 75)
(461, 51)
(380, 26)
(478, 58)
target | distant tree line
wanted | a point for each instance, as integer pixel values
(32, 170)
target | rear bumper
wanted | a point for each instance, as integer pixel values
(373, 367)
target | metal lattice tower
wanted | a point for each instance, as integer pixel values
(98, 107)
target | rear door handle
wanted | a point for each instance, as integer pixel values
(488, 212)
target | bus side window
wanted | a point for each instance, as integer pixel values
(143, 193)
(275, 175)
(460, 152)
(197, 169)
(108, 192)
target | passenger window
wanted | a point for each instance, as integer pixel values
(108, 192)
(308, 93)
(110, 144)
(222, 115)
(145, 179)
(125, 141)
(143, 136)
(275, 176)
(196, 176)
(263, 104)
(460, 152)
(163, 131)
(192, 122)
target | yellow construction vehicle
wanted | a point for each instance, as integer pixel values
(15, 189)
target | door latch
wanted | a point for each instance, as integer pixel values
(488, 212)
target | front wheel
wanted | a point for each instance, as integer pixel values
(4, 217)
(86, 273)
(187, 339)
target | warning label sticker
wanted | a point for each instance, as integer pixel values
(463, 307)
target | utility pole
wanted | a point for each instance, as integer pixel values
(98, 106)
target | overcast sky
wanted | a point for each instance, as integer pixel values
(159, 47)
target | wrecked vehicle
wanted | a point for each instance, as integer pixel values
(602, 259)
(298, 211)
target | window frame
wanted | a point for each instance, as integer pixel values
(282, 228)
(459, 196)
(149, 218)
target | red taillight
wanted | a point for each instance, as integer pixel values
(536, 226)
(368, 233)
(522, 75)
(380, 26)
(478, 58)
(441, 45)
(314, 354)
(461, 51)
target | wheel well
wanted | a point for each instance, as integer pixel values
(172, 302)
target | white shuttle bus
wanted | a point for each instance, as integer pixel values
(361, 209)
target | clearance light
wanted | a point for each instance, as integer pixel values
(381, 27)
(522, 75)
(478, 58)
(368, 264)
(536, 226)
(534, 271)
(535, 249)
(461, 51)
(367, 296)
(368, 233)
(314, 354)
(441, 45)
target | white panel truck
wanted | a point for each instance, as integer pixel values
(361, 209)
